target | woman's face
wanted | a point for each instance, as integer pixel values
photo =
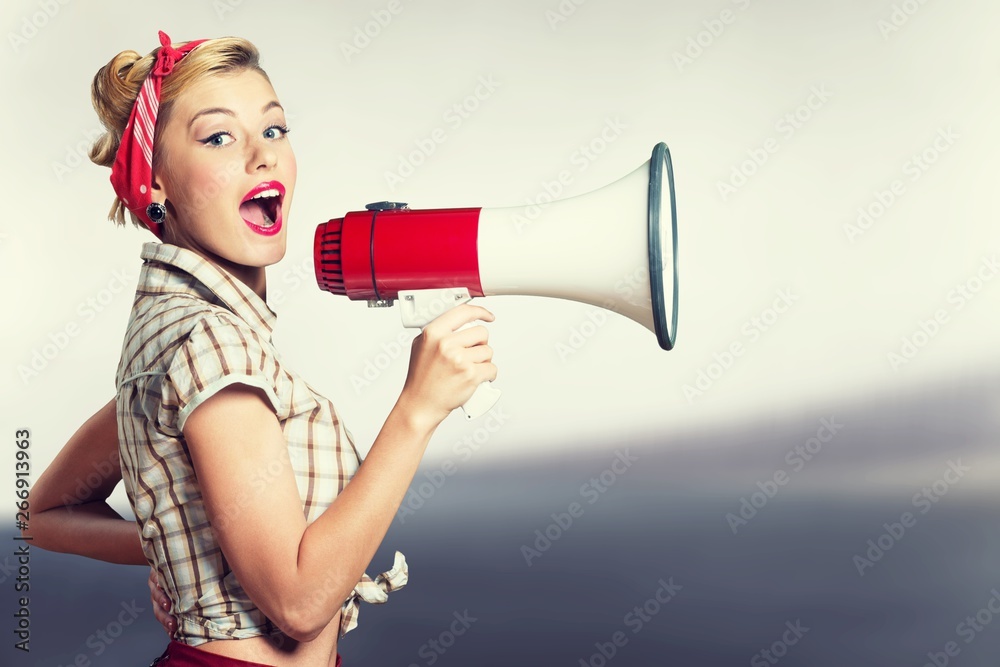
(227, 172)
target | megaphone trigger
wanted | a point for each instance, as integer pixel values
(420, 307)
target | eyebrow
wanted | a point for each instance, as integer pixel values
(273, 104)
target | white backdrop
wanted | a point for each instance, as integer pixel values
(835, 162)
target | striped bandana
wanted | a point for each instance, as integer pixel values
(132, 172)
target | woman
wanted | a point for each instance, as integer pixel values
(236, 469)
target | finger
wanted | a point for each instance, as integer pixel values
(170, 628)
(487, 371)
(153, 588)
(471, 337)
(161, 599)
(164, 598)
(157, 594)
(480, 354)
(458, 317)
(161, 616)
(165, 619)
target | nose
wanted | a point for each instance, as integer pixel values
(261, 155)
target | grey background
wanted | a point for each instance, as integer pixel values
(354, 116)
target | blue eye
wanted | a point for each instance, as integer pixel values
(218, 140)
(275, 132)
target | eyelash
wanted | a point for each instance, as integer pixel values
(207, 141)
(284, 130)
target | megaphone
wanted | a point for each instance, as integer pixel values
(607, 248)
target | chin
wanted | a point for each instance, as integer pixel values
(261, 255)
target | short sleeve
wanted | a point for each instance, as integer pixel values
(219, 351)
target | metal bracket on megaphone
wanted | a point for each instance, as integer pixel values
(386, 206)
(419, 307)
(375, 207)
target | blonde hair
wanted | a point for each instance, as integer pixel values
(117, 84)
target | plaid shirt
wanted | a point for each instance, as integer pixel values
(195, 329)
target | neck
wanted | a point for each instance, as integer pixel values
(254, 277)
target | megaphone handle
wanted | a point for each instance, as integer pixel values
(484, 398)
(418, 308)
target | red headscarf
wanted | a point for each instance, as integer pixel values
(132, 173)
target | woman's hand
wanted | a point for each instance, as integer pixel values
(161, 603)
(447, 365)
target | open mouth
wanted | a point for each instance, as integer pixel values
(261, 208)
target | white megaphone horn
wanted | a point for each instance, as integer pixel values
(608, 248)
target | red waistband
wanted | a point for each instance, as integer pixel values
(182, 655)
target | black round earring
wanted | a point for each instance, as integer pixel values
(157, 212)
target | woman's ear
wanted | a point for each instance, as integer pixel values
(157, 193)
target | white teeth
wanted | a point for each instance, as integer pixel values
(266, 193)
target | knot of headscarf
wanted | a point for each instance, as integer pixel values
(168, 56)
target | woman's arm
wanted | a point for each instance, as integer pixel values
(69, 512)
(300, 575)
